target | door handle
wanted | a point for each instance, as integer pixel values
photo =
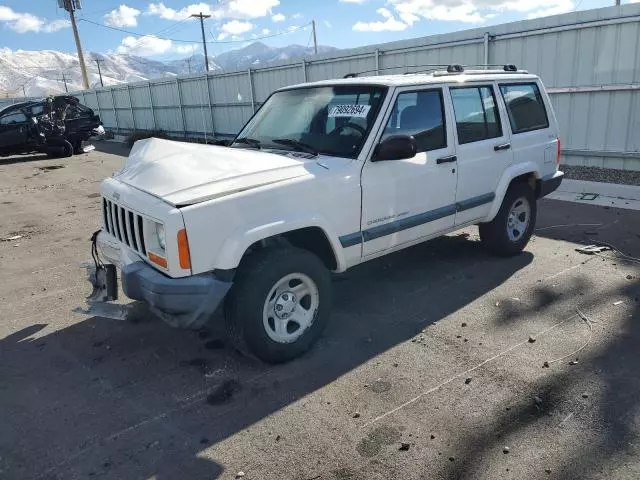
(503, 146)
(449, 159)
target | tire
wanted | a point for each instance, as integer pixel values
(77, 147)
(509, 232)
(263, 283)
(67, 149)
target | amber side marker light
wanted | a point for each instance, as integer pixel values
(183, 250)
(157, 259)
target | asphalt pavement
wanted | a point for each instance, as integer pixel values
(440, 362)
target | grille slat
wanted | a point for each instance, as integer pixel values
(133, 233)
(143, 247)
(105, 216)
(125, 225)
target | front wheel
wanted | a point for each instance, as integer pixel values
(509, 232)
(279, 304)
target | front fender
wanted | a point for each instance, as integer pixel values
(505, 180)
(234, 248)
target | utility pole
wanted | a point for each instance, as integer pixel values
(315, 42)
(204, 41)
(98, 60)
(189, 63)
(64, 79)
(71, 6)
(24, 92)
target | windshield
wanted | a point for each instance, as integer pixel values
(334, 120)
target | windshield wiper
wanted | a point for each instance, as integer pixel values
(297, 145)
(247, 141)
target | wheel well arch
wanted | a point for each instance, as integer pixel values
(312, 239)
(532, 179)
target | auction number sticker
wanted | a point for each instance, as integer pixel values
(358, 111)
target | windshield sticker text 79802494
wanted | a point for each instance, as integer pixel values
(359, 111)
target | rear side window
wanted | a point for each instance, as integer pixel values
(419, 114)
(477, 116)
(16, 117)
(525, 107)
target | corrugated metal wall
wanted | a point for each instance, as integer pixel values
(589, 61)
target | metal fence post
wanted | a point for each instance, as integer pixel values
(153, 112)
(115, 111)
(184, 123)
(213, 127)
(486, 49)
(98, 104)
(253, 99)
(304, 69)
(133, 117)
(377, 53)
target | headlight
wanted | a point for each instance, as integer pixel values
(160, 235)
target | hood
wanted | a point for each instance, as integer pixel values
(187, 173)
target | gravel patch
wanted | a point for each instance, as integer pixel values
(597, 174)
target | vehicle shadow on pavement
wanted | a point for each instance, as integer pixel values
(27, 157)
(113, 148)
(592, 397)
(136, 400)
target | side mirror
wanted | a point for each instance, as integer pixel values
(397, 147)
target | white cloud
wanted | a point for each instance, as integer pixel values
(187, 49)
(298, 16)
(56, 25)
(474, 11)
(328, 25)
(360, 1)
(238, 9)
(278, 17)
(236, 27)
(561, 7)
(390, 23)
(146, 46)
(123, 16)
(266, 31)
(26, 22)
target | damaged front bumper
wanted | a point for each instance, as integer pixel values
(187, 302)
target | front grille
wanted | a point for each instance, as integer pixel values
(124, 224)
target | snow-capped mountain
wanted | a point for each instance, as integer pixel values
(39, 73)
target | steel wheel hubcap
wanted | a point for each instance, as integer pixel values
(290, 308)
(518, 219)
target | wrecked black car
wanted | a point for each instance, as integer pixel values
(55, 125)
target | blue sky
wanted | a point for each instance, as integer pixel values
(41, 25)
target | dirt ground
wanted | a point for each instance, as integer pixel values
(432, 367)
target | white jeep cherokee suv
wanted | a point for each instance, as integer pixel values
(325, 176)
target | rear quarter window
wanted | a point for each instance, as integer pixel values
(525, 107)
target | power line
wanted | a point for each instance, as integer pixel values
(292, 29)
(137, 34)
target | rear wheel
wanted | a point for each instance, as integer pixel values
(509, 232)
(279, 304)
(77, 147)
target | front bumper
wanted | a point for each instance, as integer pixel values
(550, 184)
(197, 296)
(186, 302)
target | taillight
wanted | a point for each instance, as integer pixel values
(558, 155)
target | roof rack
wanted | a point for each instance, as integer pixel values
(456, 69)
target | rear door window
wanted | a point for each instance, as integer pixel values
(11, 118)
(477, 116)
(525, 107)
